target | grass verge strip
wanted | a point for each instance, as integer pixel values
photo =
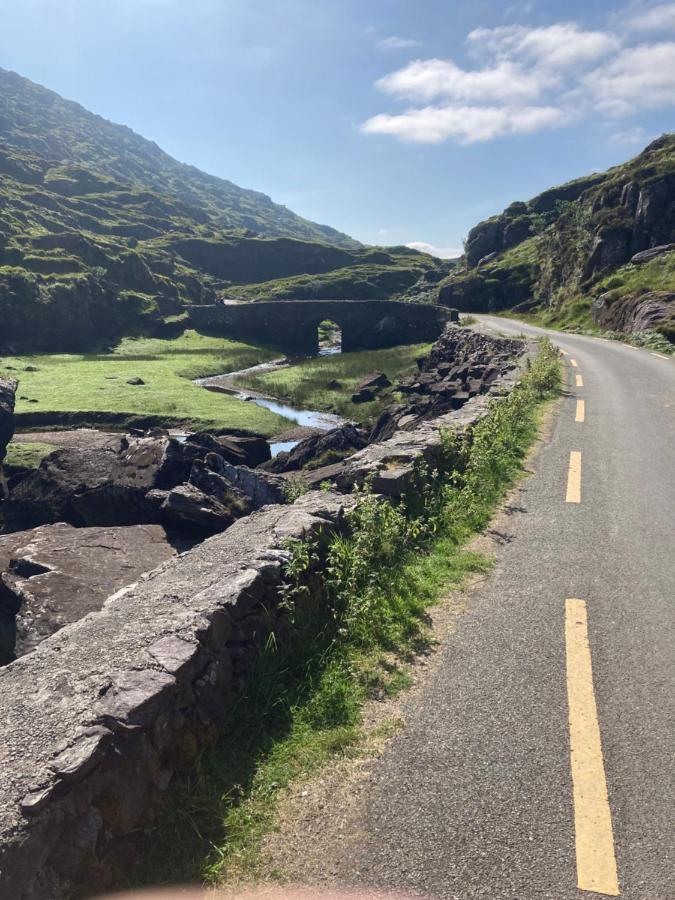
(358, 608)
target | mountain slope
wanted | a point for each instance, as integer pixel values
(103, 235)
(35, 119)
(569, 251)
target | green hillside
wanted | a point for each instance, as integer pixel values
(103, 235)
(41, 122)
(568, 251)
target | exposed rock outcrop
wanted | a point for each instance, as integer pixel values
(7, 397)
(97, 487)
(56, 574)
(637, 313)
(337, 442)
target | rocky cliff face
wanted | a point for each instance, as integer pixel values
(557, 247)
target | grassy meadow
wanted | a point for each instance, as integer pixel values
(306, 383)
(59, 390)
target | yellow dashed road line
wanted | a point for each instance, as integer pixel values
(596, 859)
(580, 381)
(574, 364)
(660, 356)
(581, 411)
(574, 478)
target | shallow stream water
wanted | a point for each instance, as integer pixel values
(305, 418)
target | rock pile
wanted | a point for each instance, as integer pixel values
(461, 365)
(328, 446)
(151, 479)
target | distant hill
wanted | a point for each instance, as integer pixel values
(567, 252)
(103, 234)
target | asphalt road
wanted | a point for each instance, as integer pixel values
(475, 796)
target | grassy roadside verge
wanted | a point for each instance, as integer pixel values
(353, 642)
(577, 320)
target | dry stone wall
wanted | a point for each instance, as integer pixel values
(102, 716)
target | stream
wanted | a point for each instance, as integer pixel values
(304, 418)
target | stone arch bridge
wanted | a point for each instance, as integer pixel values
(292, 325)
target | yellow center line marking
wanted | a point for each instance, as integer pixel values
(660, 355)
(574, 364)
(574, 478)
(564, 352)
(581, 411)
(580, 381)
(596, 860)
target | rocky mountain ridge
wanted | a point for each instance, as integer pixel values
(604, 234)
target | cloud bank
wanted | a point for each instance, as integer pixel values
(529, 79)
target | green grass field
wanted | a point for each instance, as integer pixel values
(305, 384)
(68, 389)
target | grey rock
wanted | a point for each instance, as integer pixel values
(135, 381)
(645, 255)
(634, 313)
(187, 505)
(7, 398)
(373, 381)
(56, 574)
(363, 396)
(342, 441)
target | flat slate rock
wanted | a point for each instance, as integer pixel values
(56, 574)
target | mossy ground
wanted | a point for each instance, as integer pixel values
(29, 455)
(92, 389)
(306, 383)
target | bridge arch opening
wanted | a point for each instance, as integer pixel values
(329, 334)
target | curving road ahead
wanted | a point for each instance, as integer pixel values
(569, 644)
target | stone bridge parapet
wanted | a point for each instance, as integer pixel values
(292, 325)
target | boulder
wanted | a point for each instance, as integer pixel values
(338, 442)
(645, 255)
(259, 487)
(135, 381)
(188, 506)
(56, 574)
(373, 381)
(363, 396)
(7, 397)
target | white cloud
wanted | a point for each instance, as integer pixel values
(426, 79)
(529, 79)
(440, 252)
(467, 124)
(638, 78)
(397, 43)
(554, 47)
(633, 136)
(659, 18)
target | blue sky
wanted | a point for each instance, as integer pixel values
(395, 121)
